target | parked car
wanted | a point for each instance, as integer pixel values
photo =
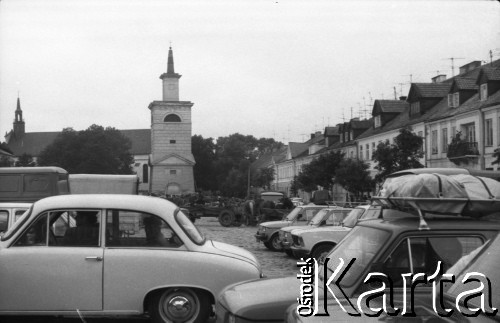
(482, 260)
(10, 212)
(332, 216)
(115, 255)
(268, 231)
(382, 243)
(317, 242)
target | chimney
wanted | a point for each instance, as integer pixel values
(469, 67)
(312, 136)
(403, 98)
(438, 79)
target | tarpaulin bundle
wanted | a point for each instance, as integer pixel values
(444, 194)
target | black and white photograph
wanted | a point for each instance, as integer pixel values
(237, 161)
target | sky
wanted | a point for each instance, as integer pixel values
(279, 69)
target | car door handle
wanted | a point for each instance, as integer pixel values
(96, 258)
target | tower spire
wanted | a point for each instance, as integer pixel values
(170, 80)
(170, 67)
(18, 120)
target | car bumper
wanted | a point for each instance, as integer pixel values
(300, 253)
(261, 237)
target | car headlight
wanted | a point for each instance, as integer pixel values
(287, 235)
(263, 229)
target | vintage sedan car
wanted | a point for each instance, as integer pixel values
(331, 216)
(391, 242)
(268, 231)
(10, 212)
(115, 255)
(317, 242)
(484, 260)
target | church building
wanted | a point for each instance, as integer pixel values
(163, 159)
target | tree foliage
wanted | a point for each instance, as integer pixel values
(354, 176)
(404, 153)
(223, 165)
(96, 150)
(25, 160)
(319, 172)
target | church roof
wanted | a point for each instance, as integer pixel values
(32, 143)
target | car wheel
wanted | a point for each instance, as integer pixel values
(180, 305)
(274, 243)
(289, 252)
(268, 246)
(226, 218)
(321, 251)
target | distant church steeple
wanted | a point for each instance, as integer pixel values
(170, 80)
(18, 121)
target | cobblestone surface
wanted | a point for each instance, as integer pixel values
(274, 264)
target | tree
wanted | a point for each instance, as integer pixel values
(96, 150)
(204, 155)
(25, 160)
(263, 177)
(354, 176)
(319, 172)
(404, 153)
(5, 161)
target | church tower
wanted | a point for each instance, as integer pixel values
(19, 127)
(171, 158)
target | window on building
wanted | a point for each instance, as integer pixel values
(415, 108)
(483, 94)
(361, 152)
(351, 135)
(434, 141)
(470, 132)
(367, 151)
(173, 172)
(456, 99)
(420, 134)
(172, 141)
(172, 118)
(145, 173)
(378, 121)
(488, 128)
(444, 138)
(450, 100)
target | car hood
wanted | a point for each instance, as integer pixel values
(293, 227)
(263, 299)
(276, 224)
(322, 229)
(228, 250)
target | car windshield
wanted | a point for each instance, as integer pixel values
(19, 222)
(293, 215)
(320, 216)
(362, 243)
(352, 218)
(189, 228)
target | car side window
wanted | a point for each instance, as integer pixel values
(36, 234)
(421, 255)
(137, 229)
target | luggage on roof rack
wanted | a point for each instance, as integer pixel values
(459, 194)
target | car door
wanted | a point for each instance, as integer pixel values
(43, 271)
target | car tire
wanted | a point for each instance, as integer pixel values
(190, 306)
(268, 246)
(274, 243)
(320, 252)
(289, 253)
(226, 218)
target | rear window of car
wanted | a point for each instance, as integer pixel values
(19, 222)
(189, 228)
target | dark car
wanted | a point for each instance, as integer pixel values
(483, 260)
(392, 243)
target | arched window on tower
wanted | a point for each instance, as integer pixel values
(172, 118)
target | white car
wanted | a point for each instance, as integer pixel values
(10, 212)
(115, 255)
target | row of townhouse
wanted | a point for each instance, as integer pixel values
(458, 118)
